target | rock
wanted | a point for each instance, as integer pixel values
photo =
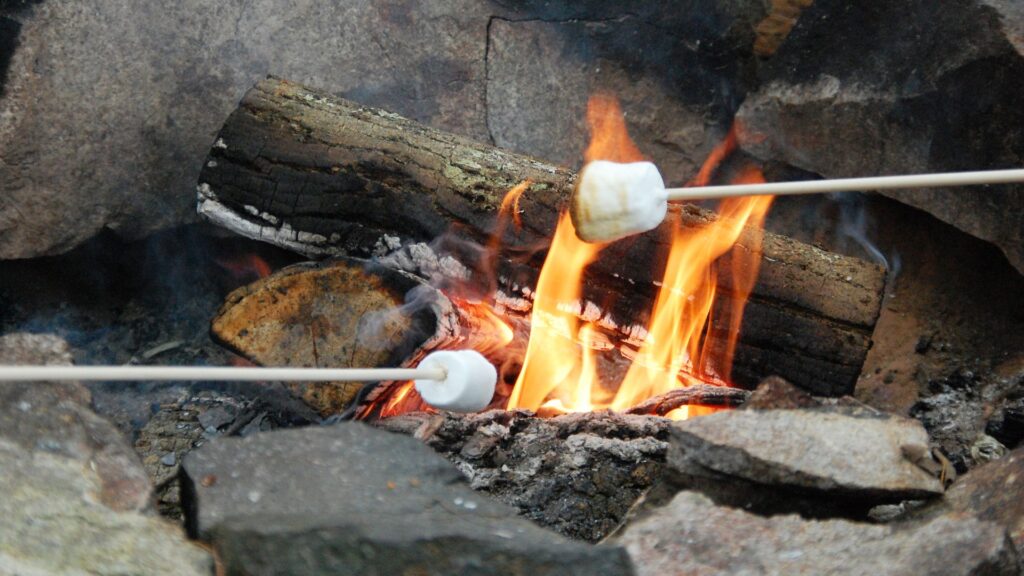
(54, 417)
(353, 313)
(836, 458)
(108, 111)
(106, 126)
(848, 95)
(774, 393)
(991, 492)
(678, 73)
(55, 522)
(349, 499)
(694, 536)
(76, 499)
(577, 474)
(1007, 424)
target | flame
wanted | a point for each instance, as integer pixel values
(553, 356)
(394, 401)
(490, 331)
(609, 138)
(246, 267)
(510, 206)
(559, 371)
(688, 339)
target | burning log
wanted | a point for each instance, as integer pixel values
(323, 176)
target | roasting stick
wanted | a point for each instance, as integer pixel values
(849, 184)
(613, 200)
(214, 374)
(456, 380)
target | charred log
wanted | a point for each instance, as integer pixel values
(699, 395)
(324, 176)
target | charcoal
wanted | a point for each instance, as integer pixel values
(578, 474)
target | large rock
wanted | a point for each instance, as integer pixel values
(836, 456)
(680, 74)
(693, 536)
(350, 499)
(991, 492)
(108, 110)
(55, 522)
(903, 87)
(76, 499)
(54, 417)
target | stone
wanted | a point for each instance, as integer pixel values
(56, 522)
(694, 536)
(678, 73)
(991, 492)
(340, 313)
(76, 499)
(108, 111)
(834, 458)
(848, 95)
(105, 126)
(55, 418)
(349, 499)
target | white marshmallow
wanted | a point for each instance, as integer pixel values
(614, 200)
(468, 385)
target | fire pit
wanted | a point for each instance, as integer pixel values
(458, 300)
(639, 313)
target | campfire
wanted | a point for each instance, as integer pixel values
(546, 288)
(558, 369)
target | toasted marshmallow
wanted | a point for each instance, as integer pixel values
(613, 200)
(468, 385)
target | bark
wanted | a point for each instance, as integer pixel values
(324, 176)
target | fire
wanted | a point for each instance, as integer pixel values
(553, 359)
(559, 371)
(688, 339)
(609, 138)
(246, 267)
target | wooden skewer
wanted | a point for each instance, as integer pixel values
(215, 373)
(849, 184)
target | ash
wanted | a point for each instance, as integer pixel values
(578, 474)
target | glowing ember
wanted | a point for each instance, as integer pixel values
(246, 267)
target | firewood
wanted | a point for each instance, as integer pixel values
(698, 395)
(324, 176)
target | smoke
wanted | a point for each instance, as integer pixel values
(855, 224)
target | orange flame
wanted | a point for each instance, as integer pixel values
(553, 358)
(609, 138)
(559, 370)
(688, 339)
(246, 267)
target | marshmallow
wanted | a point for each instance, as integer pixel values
(613, 200)
(468, 385)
